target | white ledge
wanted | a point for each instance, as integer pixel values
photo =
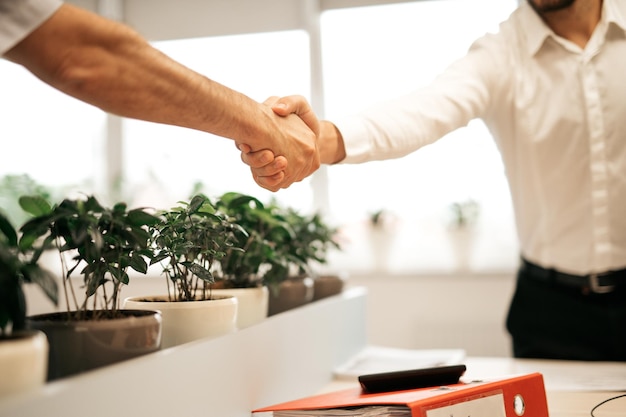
(287, 356)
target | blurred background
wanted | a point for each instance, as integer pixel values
(432, 232)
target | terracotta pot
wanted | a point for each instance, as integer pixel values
(186, 321)
(81, 345)
(327, 285)
(293, 292)
(23, 361)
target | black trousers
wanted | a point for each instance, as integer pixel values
(551, 321)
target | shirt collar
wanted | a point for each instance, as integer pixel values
(537, 31)
(615, 12)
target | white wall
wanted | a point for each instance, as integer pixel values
(447, 311)
(427, 311)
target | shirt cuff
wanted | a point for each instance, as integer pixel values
(355, 139)
(18, 18)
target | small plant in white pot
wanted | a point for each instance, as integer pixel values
(103, 242)
(462, 231)
(188, 241)
(23, 352)
(380, 228)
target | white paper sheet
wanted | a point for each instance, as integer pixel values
(376, 359)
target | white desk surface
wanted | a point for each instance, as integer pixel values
(572, 388)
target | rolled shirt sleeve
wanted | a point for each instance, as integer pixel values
(18, 18)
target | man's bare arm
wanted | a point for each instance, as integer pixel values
(109, 65)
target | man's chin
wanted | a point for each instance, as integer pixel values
(547, 6)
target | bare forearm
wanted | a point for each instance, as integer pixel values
(109, 65)
(122, 74)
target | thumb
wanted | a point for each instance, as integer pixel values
(297, 104)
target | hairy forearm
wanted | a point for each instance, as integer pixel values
(124, 75)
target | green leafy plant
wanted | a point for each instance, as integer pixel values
(313, 239)
(104, 242)
(18, 266)
(279, 240)
(189, 241)
(12, 187)
(263, 259)
(464, 213)
(382, 219)
(377, 217)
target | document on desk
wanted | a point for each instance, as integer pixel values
(377, 359)
(577, 376)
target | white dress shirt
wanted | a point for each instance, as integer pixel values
(558, 115)
(20, 17)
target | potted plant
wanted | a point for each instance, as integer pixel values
(307, 250)
(23, 352)
(188, 241)
(462, 231)
(256, 272)
(102, 243)
(315, 239)
(381, 228)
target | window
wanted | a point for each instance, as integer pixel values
(53, 138)
(163, 163)
(379, 52)
(369, 54)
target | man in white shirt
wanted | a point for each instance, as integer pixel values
(109, 65)
(551, 87)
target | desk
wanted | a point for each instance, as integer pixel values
(572, 388)
(287, 356)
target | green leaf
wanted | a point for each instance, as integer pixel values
(7, 229)
(202, 273)
(44, 279)
(118, 274)
(158, 258)
(138, 263)
(196, 202)
(139, 217)
(35, 205)
(91, 205)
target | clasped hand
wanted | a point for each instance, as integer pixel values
(296, 155)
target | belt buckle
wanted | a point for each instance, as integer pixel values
(594, 285)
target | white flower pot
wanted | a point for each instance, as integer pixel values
(462, 241)
(252, 304)
(23, 361)
(186, 321)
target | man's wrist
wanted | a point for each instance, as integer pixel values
(331, 146)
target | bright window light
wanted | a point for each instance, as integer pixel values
(55, 139)
(379, 52)
(163, 164)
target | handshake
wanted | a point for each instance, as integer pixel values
(290, 146)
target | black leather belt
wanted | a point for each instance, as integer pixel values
(596, 283)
